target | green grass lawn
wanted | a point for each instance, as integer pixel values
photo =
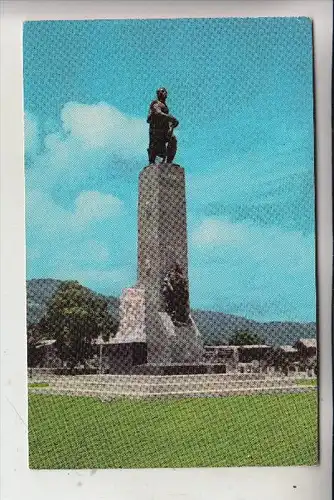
(34, 385)
(78, 432)
(307, 381)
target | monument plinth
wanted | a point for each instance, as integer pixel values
(171, 334)
(157, 309)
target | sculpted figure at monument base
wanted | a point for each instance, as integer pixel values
(176, 295)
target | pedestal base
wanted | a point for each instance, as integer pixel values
(175, 344)
(166, 343)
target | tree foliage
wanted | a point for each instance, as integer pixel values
(75, 317)
(245, 337)
(35, 335)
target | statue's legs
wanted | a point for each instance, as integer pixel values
(171, 149)
(151, 155)
(157, 145)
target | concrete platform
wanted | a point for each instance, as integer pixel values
(108, 387)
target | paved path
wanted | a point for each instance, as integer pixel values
(108, 387)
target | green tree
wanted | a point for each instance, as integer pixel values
(109, 325)
(75, 317)
(245, 337)
(34, 336)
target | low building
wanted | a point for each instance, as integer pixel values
(244, 358)
(250, 353)
(307, 352)
(286, 358)
(288, 352)
(307, 348)
(45, 353)
(222, 354)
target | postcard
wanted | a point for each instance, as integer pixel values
(170, 235)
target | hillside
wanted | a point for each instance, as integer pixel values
(41, 291)
(216, 327)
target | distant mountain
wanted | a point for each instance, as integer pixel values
(283, 333)
(41, 291)
(215, 327)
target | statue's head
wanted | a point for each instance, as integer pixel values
(162, 94)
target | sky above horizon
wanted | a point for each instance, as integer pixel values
(242, 91)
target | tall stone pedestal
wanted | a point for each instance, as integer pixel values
(162, 246)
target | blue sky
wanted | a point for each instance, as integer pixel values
(242, 91)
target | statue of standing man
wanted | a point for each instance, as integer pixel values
(163, 142)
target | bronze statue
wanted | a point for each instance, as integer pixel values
(176, 295)
(163, 142)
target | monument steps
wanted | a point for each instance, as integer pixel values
(203, 377)
(106, 395)
(207, 385)
(166, 385)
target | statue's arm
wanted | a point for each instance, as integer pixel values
(156, 110)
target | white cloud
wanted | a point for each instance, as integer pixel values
(103, 126)
(218, 232)
(77, 224)
(91, 139)
(257, 240)
(50, 218)
(262, 272)
(93, 205)
(43, 214)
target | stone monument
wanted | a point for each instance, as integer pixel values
(147, 316)
(156, 325)
(162, 252)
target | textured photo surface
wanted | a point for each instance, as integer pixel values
(170, 235)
